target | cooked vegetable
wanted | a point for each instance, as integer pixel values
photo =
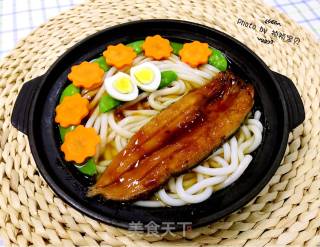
(69, 91)
(195, 53)
(176, 47)
(80, 144)
(72, 110)
(102, 63)
(137, 46)
(107, 103)
(63, 131)
(218, 60)
(86, 75)
(121, 87)
(119, 55)
(224, 112)
(147, 76)
(167, 77)
(157, 47)
(89, 168)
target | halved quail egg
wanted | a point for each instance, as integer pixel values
(147, 76)
(121, 87)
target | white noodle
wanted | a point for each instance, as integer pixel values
(150, 204)
(242, 166)
(257, 115)
(210, 68)
(97, 124)
(117, 128)
(257, 137)
(118, 143)
(189, 198)
(203, 183)
(226, 169)
(141, 97)
(226, 152)
(92, 118)
(104, 129)
(137, 60)
(169, 200)
(178, 88)
(172, 185)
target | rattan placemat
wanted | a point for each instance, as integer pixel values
(287, 211)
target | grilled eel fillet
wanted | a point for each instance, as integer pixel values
(177, 139)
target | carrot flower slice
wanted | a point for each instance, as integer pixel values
(80, 144)
(195, 53)
(119, 55)
(157, 47)
(72, 110)
(86, 75)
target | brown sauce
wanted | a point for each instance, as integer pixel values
(219, 103)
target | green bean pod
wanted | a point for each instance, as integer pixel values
(108, 103)
(63, 131)
(218, 60)
(69, 91)
(176, 47)
(89, 168)
(136, 46)
(101, 61)
(167, 77)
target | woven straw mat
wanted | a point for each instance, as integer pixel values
(286, 212)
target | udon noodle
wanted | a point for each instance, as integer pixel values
(219, 170)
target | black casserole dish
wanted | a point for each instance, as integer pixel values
(277, 99)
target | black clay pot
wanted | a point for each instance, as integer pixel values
(277, 98)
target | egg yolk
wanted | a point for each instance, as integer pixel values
(144, 75)
(123, 85)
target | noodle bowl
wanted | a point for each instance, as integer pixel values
(219, 170)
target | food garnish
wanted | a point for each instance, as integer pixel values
(69, 91)
(86, 75)
(157, 47)
(107, 103)
(195, 53)
(80, 144)
(167, 77)
(101, 61)
(136, 46)
(72, 110)
(119, 55)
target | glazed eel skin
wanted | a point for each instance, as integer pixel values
(177, 139)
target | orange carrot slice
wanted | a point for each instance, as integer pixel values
(157, 47)
(71, 110)
(195, 53)
(86, 75)
(119, 55)
(80, 144)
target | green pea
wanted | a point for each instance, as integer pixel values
(176, 47)
(167, 77)
(137, 46)
(218, 60)
(69, 91)
(89, 168)
(107, 103)
(63, 131)
(102, 63)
